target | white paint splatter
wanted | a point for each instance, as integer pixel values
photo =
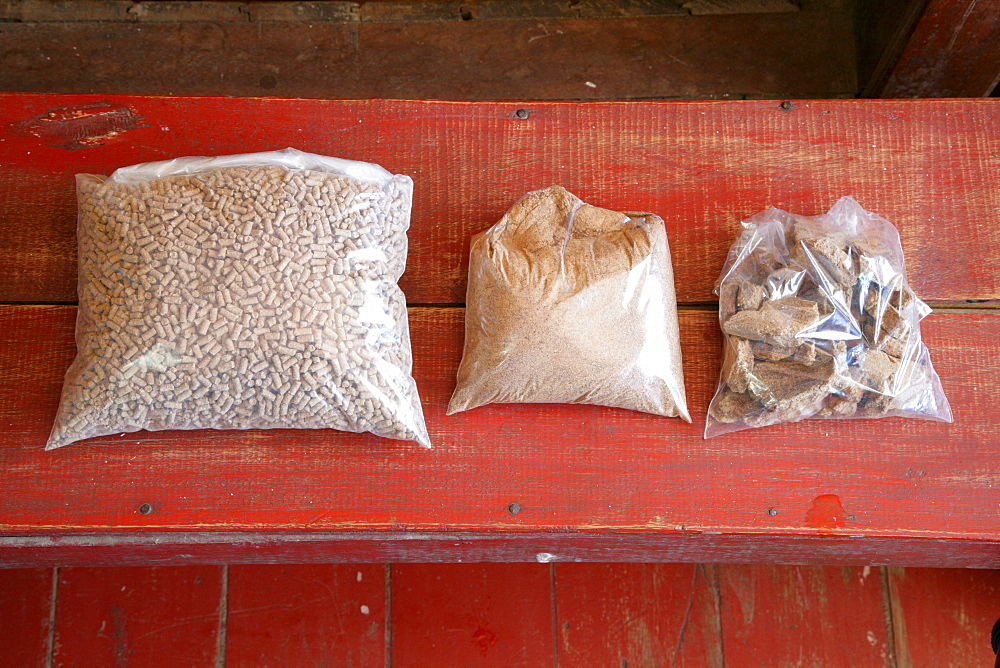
(365, 610)
(871, 639)
(544, 557)
(591, 84)
(359, 576)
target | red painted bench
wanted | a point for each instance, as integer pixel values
(591, 483)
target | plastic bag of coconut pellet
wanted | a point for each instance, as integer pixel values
(571, 303)
(819, 321)
(239, 292)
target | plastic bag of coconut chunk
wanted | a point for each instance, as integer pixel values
(819, 321)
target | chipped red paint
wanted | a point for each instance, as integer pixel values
(82, 125)
(826, 512)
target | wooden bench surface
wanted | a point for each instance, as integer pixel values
(592, 483)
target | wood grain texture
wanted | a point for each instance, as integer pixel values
(583, 468)
(379, 10)
(954, 51)
(928, 166)
(637, 615)
(306, 615)
(944, 617)
(138, 616)
(566, 545)
(25, 612)
(803, 616)
(499, 53)
(472, 615)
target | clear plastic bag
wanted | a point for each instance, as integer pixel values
(238, 292)
(570, 303)
(819, 321)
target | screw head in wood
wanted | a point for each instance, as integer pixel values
(146, 508)
(772, 511)
(522, 114)
(514, 508)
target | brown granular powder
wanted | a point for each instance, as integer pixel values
(571, 303)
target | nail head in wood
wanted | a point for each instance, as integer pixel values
(514, 508)
(146, 508)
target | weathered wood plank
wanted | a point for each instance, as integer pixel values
(26, 605)
(306, 615)
(381, 11)
(646, 57)
(472, 615)
(804, 616)
(928, 166)
(120, 616)
(954, 51)
(554, 545)
(944, 617)
(637, 615)
(584, 467)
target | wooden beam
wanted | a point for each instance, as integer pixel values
(954, 51)
(138, 549)
(424, 50)
(883, 28)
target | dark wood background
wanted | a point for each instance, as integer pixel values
(504, 49)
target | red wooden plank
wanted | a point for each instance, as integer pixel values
(586, 468)
(554, 545)
(141, 616)
(944, 617)
(703, 166)
(803, 616)
(472, 615)
(954, 51)
(637, 615)
(25, 613)
(306, 615)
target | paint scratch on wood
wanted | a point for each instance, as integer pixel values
(827, 513)
(82, 126)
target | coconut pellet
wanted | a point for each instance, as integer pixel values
(241, 297)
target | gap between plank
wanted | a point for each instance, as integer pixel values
(51, 649)
(711, 574)
(555, 615)
(388, 616)
(220, 649)
(890, 624)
